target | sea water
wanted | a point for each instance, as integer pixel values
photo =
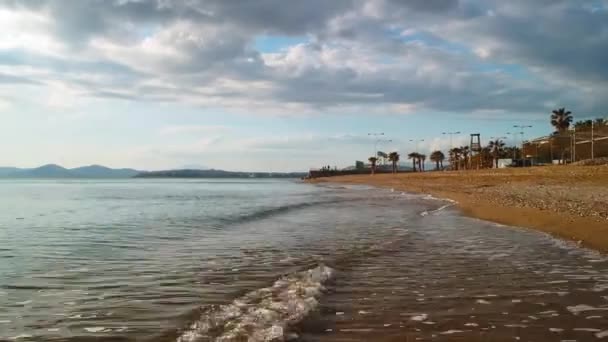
(276, 260)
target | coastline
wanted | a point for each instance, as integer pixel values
(569, 202)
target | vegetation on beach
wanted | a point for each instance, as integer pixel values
(438, 157)
(373, 161)
(393, 157)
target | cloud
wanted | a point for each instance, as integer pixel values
(434, 55)
(193, 129)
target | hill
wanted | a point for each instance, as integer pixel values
(56, 171)
(99, 171)
(217, 174)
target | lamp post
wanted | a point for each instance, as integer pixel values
(514, 144)
(375, 135)
(522, 127)
(451, 134)
(416, 141)
(379, 141)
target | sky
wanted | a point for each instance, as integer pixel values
(274, 85)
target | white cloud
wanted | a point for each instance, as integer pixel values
(193, 129)
(4, 104)
(400, 55)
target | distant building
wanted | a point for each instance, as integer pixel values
(504, 163)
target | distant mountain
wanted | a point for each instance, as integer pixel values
(56, 171)
(217, 174)
(98, 171)
(4, 171)
(193, 167)
(45, 171)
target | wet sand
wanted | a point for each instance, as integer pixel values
(569, 202)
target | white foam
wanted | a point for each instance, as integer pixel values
(5, 321)
(18, 337)
(483, 301)
(556, 330)
(576, 309)
(420, 318)
(587, 329)
(602, 334)
(95, 329)
(471, 325)
(449, 332)
(433, 198)
(264, 314)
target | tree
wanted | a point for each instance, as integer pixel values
(586, 124)
(437, 157)
(394, 158)
(421, 160)
(511, 152)
(455, 155)
(373, 161)
(486, 157)
(497, 149)
(561, 119)
(414, 157)
(583, 125)
(464, 150)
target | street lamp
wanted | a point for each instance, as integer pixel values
(514, 137)
(522, 127)
(451, 134)
(416, 141)
(375, 135)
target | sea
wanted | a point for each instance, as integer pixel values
(280, 260)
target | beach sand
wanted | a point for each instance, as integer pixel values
(569, 202)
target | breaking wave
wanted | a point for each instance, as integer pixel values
(265, 314)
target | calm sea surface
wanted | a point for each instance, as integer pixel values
(275, 260)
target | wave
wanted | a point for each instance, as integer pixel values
(428, 212)
(265, 314)
(272, 211)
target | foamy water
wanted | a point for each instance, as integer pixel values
(277, 261)
(265, 314)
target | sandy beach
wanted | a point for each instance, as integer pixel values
(569, 202)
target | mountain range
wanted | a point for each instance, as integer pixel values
(56, 171)
(99, 171)
(211, 173)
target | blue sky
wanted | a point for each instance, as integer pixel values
(258, 86)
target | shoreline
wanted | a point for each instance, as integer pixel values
(569, 202)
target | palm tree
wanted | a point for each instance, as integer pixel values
(581, 125)
(464, 150)
(486, 157)
(437, 157)
(373, 161)
(600, 122)
(496, 148)
(394, 158)
(511, 152)
(414, 157)
(561, 119)
(421, 160)
(455, 158)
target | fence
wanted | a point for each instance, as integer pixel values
(570, 146)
